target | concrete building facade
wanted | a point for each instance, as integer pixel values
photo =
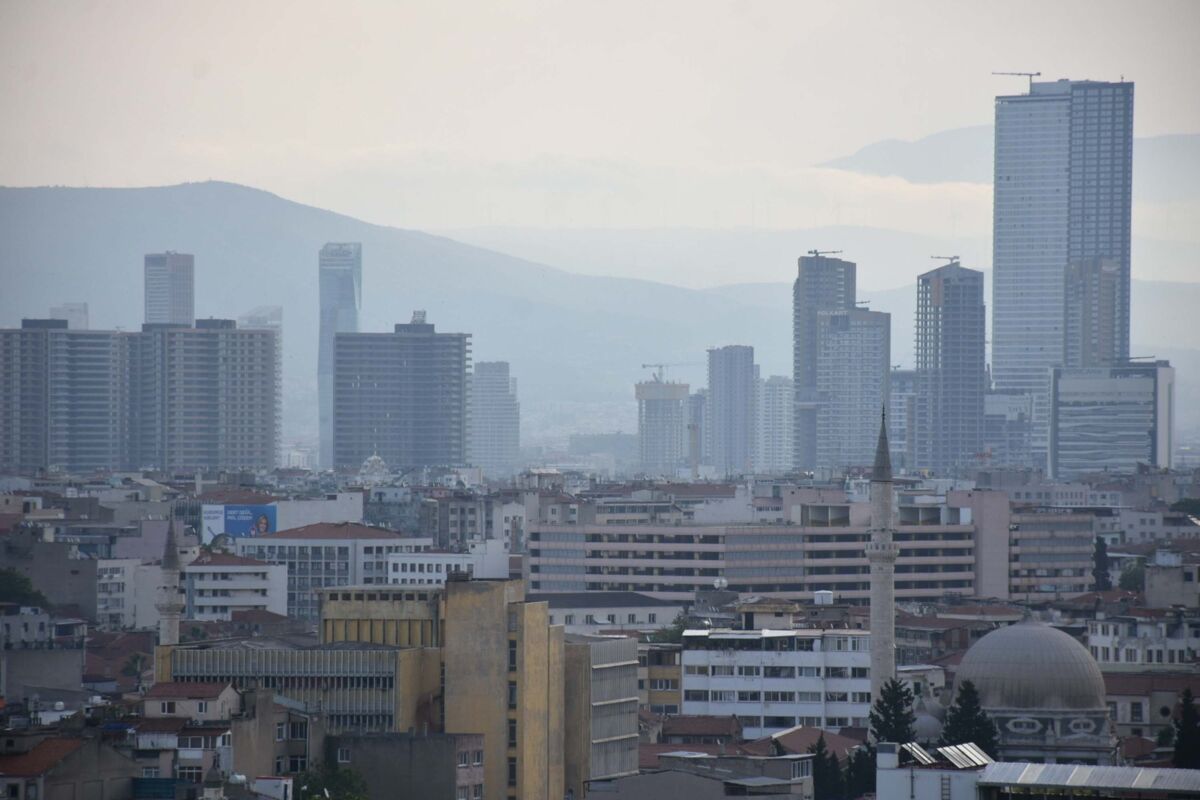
(730, 409)
(775, 448)
(495, 420)
(854, 370)
(662, 426)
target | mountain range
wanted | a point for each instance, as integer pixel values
(576, 342)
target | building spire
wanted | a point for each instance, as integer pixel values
(170, 559)
(882, 471)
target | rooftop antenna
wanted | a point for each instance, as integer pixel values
(950, 260)
(819, 253)
(1030, 75)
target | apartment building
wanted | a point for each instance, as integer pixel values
(218, 584)
(324, 554)
(1052, 554)
(1146, 640)
(955, 544)
(773, 680)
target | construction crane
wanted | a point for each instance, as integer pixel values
(948, 259)
(819, 253)
(660, 370)
(1030, 75)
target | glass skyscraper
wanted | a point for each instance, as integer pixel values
(340, 266)
(1062, 196)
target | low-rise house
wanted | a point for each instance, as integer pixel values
(56, 767)
(200, 702)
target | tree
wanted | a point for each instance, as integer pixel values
(332, 782)
(1102, 580)
(966, 721)
(1188, 505)
(1133, 577)
(15, 587)
(892, 717)
(673, 632)
(827, 774)
(1187, 734)
(860, 772)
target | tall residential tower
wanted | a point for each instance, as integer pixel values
(340, 268)
(662, 425)
(951, 374)
(495, 419)
(822, 284)
(170, 288)
(731, 409)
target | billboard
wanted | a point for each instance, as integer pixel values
(237, 521)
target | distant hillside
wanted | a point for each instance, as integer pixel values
(576, 343)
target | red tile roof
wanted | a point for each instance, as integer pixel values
(187, 691)
(46, 755)
(799, 740)
(333, 530)
(1141, 684)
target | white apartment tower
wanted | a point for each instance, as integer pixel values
(776, 419)
(881, 555)
(495, 440)
(170, 293)
(662, 425)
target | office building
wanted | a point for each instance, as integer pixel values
(600, 690)
(76, 315)
(697, 429)
(951, 375)
(170, 288)
(1111, 419)
(207, 397)
(1093, 312)
(901, 418)
(495, 440)
(774, 680)
(776, 419)
(853, 384)
(1007, 430)
(1062, 196)
(339, 268)
(731, 409)
(662, 425)
(64, 398)
(822, 284)
(401, 396)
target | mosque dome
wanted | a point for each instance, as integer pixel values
(1033, 666)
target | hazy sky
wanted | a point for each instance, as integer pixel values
(449, 114)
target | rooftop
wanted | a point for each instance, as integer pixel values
(44, 756)
(332, 530)
(598, 600)
(188, 691)
(225, 560)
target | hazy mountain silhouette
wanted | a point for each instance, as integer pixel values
(576, 342)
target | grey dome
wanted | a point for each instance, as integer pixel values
(927, 727)
(1032, 666)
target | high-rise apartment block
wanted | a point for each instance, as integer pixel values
(822, 284)
(853, 384)
(902, 418)
(170, 288)
(662, 425)
(731, 409)
(1111, 418)
(1062, 198)
(951, 373)
(776, 417)
(167, 397)
(401, 396)
(339, 266)
(495, 441)
(76, 315)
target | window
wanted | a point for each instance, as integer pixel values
(512, 733)
(343, 755)
(663, 685)
(749, 697)
(695, 669)
(779, 672)
(653, 618)
(569, 619)
(297, 764)
(477, 757)
(202, 707)
(860, 697)
(801, 769)
(280, 731)
(512, 772)
(477, 792)
(695, 696)
(749, 672)
(464, 758)
(280, 765)
(512, 656)
(298, 731)
(1135, 712)
(190, 774)
(722, 670)
(779, 697)
(460, 793)
(631, 619)
(722, 696)
(147, 772)
(167, 707)
(512, 694)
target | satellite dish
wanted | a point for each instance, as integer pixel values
(720, 583)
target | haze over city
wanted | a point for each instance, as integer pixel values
(599, 400)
